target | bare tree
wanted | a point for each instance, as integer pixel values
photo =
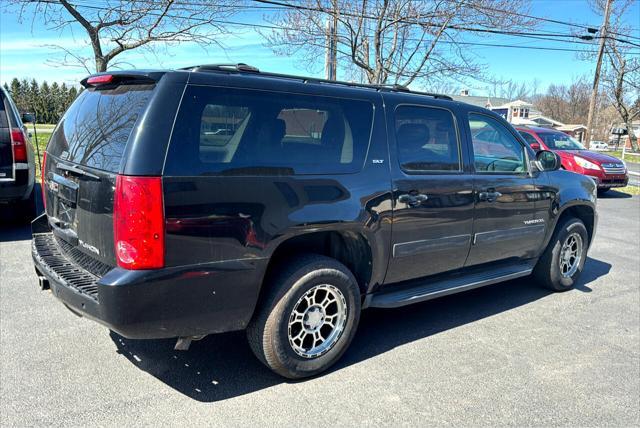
(621, 83)
(621, 69)
(566, 103)
(117, 26)
(393, 41)
(512, 90)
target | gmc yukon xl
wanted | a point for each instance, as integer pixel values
(216, 198)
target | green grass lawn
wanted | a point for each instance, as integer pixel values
(631, 157)
(43, 138)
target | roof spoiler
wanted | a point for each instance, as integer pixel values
(121, 77)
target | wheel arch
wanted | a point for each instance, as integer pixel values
(348, 247)
(583, 212)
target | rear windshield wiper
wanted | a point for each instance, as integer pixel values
(77, 171)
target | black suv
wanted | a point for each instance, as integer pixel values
(17, 162)
(215, 198)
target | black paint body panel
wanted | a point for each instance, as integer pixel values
(222, 231)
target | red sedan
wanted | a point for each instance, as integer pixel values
(606, 170)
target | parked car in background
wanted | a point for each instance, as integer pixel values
(598, 145)
(319, 199)
(607, 171)
(17, 163)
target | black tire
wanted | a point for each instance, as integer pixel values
(602, 192)
(268, 331)
(548, 269)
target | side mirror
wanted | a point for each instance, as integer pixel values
(548, 161)
(535, 146)
(28, 118)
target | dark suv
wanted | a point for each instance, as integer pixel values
(215, 198)
(17, 163)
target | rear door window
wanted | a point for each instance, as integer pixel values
(95, 130)
(426, 139)
(238, 132)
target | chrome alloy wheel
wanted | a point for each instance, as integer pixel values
(571, 255)
(317, 321)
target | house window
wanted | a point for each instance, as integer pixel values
(526, 113)
(516, 112)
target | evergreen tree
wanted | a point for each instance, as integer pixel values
(48, 102)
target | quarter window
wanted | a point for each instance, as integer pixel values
(495, 149)
(426, 139)
(249, 132)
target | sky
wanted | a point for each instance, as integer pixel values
(26, 50)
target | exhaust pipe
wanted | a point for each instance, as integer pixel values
(183, 343)
(43, 283)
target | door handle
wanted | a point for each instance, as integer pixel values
(489, 196)
(413, 200)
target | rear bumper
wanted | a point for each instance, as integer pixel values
(170, 302)
(18, 189)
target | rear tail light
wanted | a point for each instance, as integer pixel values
(19, 144)
(42, 182)
(138, 222)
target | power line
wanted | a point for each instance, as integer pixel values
(592, 28)
(429, 24)
(280, 28)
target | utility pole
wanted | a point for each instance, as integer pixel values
(331, 55)
(596, 78)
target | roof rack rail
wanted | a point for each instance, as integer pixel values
(241, 67)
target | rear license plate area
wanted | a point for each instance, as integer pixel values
(66, 196)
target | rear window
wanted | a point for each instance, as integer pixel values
(250, 132)
(95, 130)
(4, 122)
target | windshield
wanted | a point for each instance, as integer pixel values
(560, 141)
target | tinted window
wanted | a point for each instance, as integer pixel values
(495, 149)
(530, 139)
(96, 128)
(426, 139)
(235, 131)
(4, 122)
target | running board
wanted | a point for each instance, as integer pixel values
(421, 292)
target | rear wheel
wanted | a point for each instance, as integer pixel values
(602, 192)
(308, 319)
(562, 262)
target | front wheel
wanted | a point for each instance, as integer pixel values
(562, 262)
(308, 319)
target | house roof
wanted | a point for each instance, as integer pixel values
(480, 101)
(522, 121)
(571, 127)
(541, 118)
(516, 103)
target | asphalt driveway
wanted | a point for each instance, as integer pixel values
(509, 354)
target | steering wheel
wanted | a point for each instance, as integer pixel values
(492, 165)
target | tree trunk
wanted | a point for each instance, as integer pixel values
(631, 136)
(101, 64)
